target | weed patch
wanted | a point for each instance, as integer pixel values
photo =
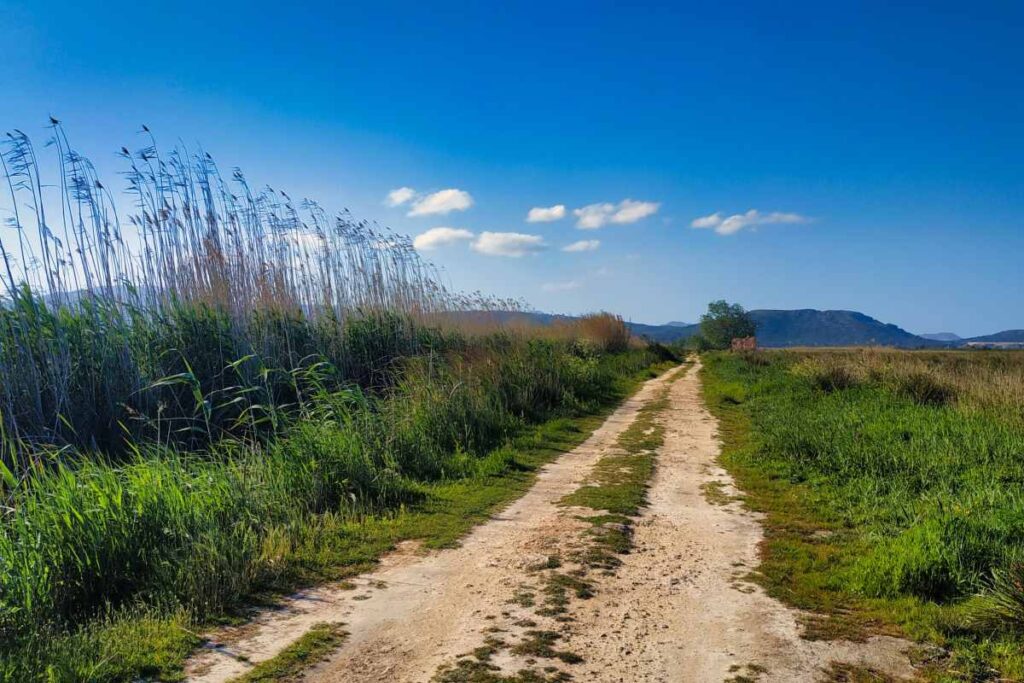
(314, 646)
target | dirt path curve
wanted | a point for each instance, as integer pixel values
(675, 610)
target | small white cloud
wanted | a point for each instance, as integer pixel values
(442, 202)
(582, 245)
(594, 216)
(560, 286)
(630, 211)
(730, 225)
(512, 244)
(540, 214)
(438, 237)
(711, 221)
(399, 196)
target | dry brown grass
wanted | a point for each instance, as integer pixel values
(602, 331)
(972, 380)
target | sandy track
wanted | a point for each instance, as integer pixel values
(676, 610)
(433, 606)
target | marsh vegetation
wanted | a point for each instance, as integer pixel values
(220, 393)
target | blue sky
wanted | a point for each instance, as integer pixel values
(880, 147)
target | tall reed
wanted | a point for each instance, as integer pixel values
(188, 295)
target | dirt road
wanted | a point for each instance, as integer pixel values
(676, 609)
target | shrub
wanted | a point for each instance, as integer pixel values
(923, 388)
(606, 331)
(826, 375)
(1003, 605)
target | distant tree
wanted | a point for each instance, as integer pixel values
(724, 322)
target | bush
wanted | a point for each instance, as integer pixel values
(724, 322)
(1003, 606)
(606, 331)
(923, 388)
(826, 374)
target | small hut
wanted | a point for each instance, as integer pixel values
(744, 344)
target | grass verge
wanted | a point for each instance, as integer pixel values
(885, 510)
(315, 646)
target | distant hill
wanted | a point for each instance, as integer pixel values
(941, 336)
(666, 334)
(676, 323)
(808, 327)
(1015, 336)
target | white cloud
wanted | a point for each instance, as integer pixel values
(513, 244)
(582, 245)
(438, 237)
(442, 202)
(730, 225)
(707, 221)
(560, 286)
(540, 214)
(594, 216)
(399, 196)
(631, 211)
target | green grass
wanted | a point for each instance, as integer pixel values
(892, 492)
(255, 528)
(541, 644)
(314, 646)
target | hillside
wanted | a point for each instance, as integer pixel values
(808, 327)
(999, 337)
(941, 336)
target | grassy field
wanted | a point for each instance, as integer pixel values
(892, 484)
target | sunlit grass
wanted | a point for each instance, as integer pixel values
(892, 487)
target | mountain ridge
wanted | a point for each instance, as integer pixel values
(941, 336)
(780, 328)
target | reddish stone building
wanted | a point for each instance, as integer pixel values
(744, 344)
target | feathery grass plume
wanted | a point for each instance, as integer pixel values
(108, 296)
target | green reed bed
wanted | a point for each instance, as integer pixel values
(894, 487)
(211, 392)
(178, 537)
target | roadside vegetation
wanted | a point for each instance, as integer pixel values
(228, 394)
(892, 484)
